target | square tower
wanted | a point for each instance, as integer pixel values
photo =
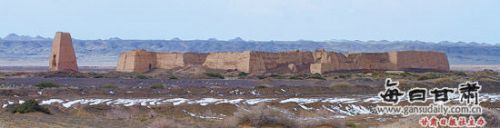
(62, 57)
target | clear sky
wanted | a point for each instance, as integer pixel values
(425, 20)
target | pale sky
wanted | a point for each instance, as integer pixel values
(425, 20)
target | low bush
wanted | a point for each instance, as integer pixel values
(96, 75)
(260, 116)
(262, 86)
(141, 77)
(445, 81)
(108, 86)
(172, 77)
(295, 77)
(428, 76)
(265, 116)
(352, 125)
(30, 106)
(46, 84)
(345, 76)
(243, 74)
(317, 76)
(214, 75)
(277, 76)
(261, 77)
(460, 73)
(171, 123)
(492, 117)
(341, 85)
(157, 86)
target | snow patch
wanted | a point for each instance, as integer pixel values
(50, 101)
(300, 100)
(339, 100)
(258, 100)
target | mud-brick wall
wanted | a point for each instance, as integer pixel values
(169, 60)
(136, 61)
(370, 61)
(228, 61)
(261, 62)
(194, 58)
(126, 62)
(420, 60)
(329, 62)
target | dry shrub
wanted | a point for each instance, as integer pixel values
(341, 85)
(121, 112)
(118, 114)
(169, 123)
(320, 123)
(492, 117)
(260, 116)
(446, 81)
(265, 116)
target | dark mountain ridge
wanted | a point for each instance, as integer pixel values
(106, 51)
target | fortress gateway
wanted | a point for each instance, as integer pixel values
(285, 62)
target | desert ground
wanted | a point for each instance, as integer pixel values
(197, 97)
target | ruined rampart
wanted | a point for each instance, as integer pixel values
(285, 62)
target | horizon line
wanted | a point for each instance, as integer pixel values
(249, 40)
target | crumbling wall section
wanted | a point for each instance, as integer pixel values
(285, 62)
(281, 62)
(420, 60)
(126, 62)
(330, 62)
(238, 61)
(370, 61)
(136, 61)
(169, 60)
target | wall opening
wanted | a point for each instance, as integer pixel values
(53, 60)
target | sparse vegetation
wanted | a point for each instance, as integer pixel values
(460, 73)
(444, 81)
(140, 76)
(261, 86)
(172, 77)
(294, 77)
(260, 116)
(345, 76)
(243, 74)
(428, 76)
(492, 117)
(261, 77)
(109, 86)
(341, 85)
(352, 125)
(277, 76)
(46, 84)
(317, 76)
(170, 123)
(30, 106)
(214, 75)
(96, 75)
(265, 116)
(157, 86)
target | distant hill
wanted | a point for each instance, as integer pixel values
(25, 50)
(15, 37)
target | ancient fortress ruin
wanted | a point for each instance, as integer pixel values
(285, 62)
(63, 58)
